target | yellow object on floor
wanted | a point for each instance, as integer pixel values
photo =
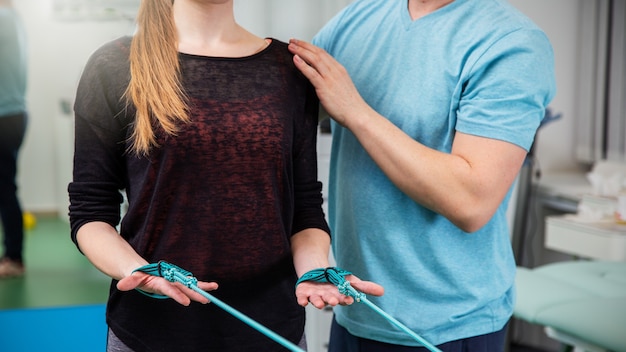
(30, 221)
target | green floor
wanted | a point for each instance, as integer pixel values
(56, 273)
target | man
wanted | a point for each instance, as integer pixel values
(435, 104)
(12, 129)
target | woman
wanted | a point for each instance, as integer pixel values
(211, 132)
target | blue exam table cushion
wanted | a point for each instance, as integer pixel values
(584, 299)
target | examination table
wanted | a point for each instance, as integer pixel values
(582, 304)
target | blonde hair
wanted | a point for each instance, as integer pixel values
(155, 88)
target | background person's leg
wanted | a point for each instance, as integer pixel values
(12, 130)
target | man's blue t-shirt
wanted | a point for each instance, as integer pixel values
(477, 67)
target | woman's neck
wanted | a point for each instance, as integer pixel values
(211, 30)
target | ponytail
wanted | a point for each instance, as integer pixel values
(155, 88)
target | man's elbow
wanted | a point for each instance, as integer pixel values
(473, 219)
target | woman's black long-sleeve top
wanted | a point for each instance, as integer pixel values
(221, 198)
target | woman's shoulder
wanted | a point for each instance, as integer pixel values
(278, 43)
(279, 52)
(110, 62)
(104, 78)
(277, 46)
(117, 49)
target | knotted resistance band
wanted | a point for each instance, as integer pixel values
(336, 276)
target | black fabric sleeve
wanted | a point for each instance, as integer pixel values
(100, 135)
(308, 212)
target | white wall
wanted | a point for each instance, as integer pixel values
(58, 51)
(558, 18)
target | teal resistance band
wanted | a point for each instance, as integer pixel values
(173, 273)
(336, 276)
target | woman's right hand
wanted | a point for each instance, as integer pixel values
(158, 285)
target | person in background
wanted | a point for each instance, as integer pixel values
(13, 122)
(435, 104)
(211, 132)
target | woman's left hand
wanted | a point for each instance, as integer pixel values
(322, 294)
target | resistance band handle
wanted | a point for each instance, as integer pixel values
(168, 271)
(335, 276)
